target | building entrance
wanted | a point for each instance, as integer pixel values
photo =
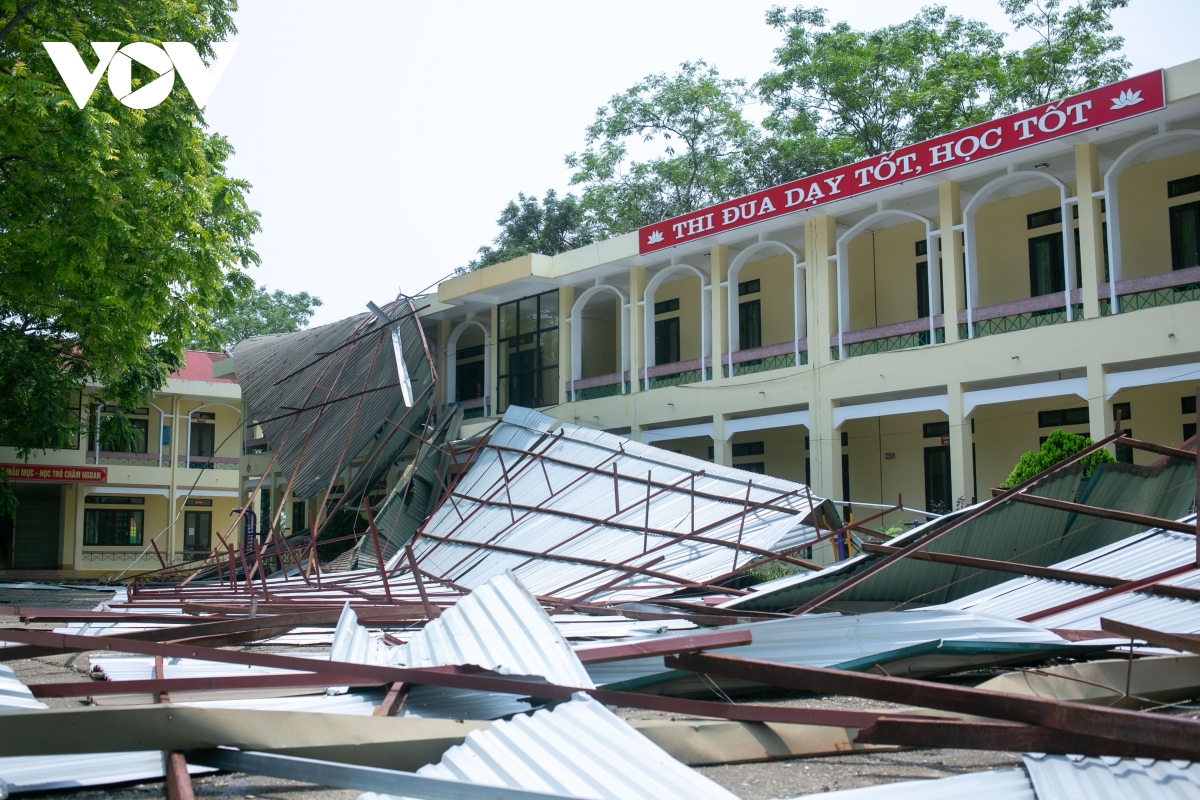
(32, 541)
(937, 480)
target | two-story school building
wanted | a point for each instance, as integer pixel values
(905, 326)
(85, 512)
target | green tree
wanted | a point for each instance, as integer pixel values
(701, 149)
(864, 93)
(526, 226)
(120, 231)
(1059, 446)
(1073, 51)
(256, 314)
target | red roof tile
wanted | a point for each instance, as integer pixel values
(198, 366)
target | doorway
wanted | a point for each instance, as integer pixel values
(937, 480)
(35, 528)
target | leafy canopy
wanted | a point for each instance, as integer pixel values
(120, 230)
(672, 144)
(1059, 446)
(257, 314)
(527, 226)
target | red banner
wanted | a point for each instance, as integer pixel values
(1103, 106)
(43, 472)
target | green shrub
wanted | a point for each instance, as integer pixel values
(1059, 446)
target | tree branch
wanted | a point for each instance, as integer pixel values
(21, 14)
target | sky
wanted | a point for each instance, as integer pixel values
(382, 139)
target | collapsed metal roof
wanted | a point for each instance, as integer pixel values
(579, 514)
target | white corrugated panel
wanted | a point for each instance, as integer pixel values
(13, 693)
(827, 639)
(1079, 778)
(580, 749)
(584, 490)
(586, 626)
(1004, 784)
(141, 668)
(500, 627)
(1139, 556)
(42, 773)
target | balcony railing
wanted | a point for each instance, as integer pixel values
(1020, 315)
(1152, 291)
(764, 359)
(609, 385)
(885, 338)
(209, 462)
(476, 407)
(678, 373)
(114, 458)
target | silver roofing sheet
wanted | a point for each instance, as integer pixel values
(345, 379)
(1078, 778)
(13, 693)
(1011, 532)
(1140, 556)
(580, 749)
(827, 639)
(500, 627)
(43, 773)
(580, 519)
(1004, 784)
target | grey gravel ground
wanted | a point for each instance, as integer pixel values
(759, 781)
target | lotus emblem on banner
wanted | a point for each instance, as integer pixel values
(654, 238)
(1127, 99)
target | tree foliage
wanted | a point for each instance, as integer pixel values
(257, 314)
(120, 231)
(1059, 446)
(1073, 52)
(672, 144)
(526, 226)
(700, 149)
(871, 92)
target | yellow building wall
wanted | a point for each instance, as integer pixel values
(599, 347)
(1002, 244)
(776, 278)
(1156, 415)
(896, 272)
(1146, 228)
(875, 478)
(783, 451)
(687, 291)
(863, 313)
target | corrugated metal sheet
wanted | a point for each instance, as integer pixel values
(1005, 784)
(583, 490)
(1012, 532)
(1138, 556)
(498, 626)
(43, 773)
(13, 693)
(828, 639)
(580, 749)
(1078, 778)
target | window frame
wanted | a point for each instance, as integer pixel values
(544, 390)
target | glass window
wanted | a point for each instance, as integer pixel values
(666, 341)
(113, 527)
(666, 306)
(934, 430)
(750, 324)
(1188, 404)
(1182, 186)
(753, 466)
(749, 287)
(1063, 416)
(1185, 236)
(1124, 409)
(1189, 430)
(748, 449)
(203, 440)
(528, 351)
(1040, 219)
(1045, 265)
(197, 530)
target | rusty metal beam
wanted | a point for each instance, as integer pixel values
(983, 508)
(1124, 588)
(211, 684)
(964, 735)
(1183, 642)
(1031, 571)
(1154, 730)
(658, 647)
(1161, 449)
(1144, 520)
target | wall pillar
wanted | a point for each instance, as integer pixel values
(722, 447)
(824, 450)
(719, 309)
(443, 361)
(1100, 410)
(177, 446)
(954, 291)
(492, 355)
(637, 325)
(566, 299)
(1091, 228)
(962, 463)
(820, 242)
